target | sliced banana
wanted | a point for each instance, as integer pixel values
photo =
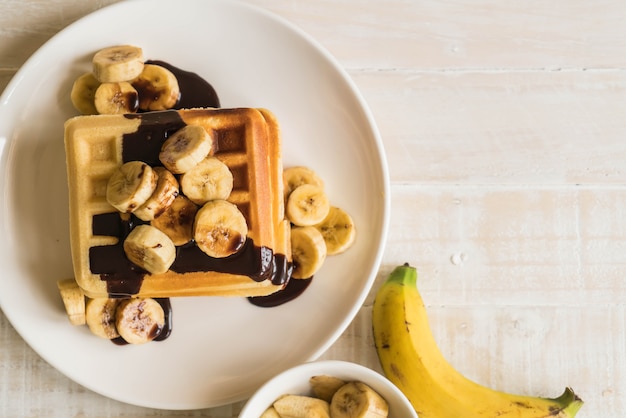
(116, 98)
(298, 406)
(307, 205)
(324, 386)
(150, 249)
(177, 220)
(139, 320)
(294, 177)
(118, 63)
(165, 192)
(157, 87)
(210, 179)
(130, 186)
(73, 300)
(358, 400)
(100, 317)
(308, 251)
(220, 229)
(186, 148)
(270, 413)
(338, 230)
(83, 94)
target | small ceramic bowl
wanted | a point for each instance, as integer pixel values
(296, 381)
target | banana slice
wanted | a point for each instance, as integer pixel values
(118, 63)
(177, 220)
(164, 194)
(73, 300)
(307, 205)
(338, 230)
(220, 228)
(308, 251)
(270, 413)
(294, 177)
(100, 317)
(210, 179)
(298, 406)
(139, 320)
(186, 148)
(116, 98)
(150, 249)
(358, 400)
(324, 386)
(130, 186)
(157, 87)
(83, 94)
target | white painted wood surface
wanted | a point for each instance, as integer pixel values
(504, 124)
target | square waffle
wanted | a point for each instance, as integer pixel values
(248, 142)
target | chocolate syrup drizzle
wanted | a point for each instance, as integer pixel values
(294, 288)
(124, 278)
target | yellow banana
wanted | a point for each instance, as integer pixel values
(411, 359)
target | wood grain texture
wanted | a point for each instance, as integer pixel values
(518, 127)
(503, 124)
(451, 35)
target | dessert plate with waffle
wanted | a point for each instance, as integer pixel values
(73, 230)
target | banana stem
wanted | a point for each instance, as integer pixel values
(404, 274)
(572, 402)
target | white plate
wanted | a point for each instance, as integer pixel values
(221, 349)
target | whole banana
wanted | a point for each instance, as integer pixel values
(411, 359)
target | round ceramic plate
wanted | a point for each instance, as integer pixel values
(221, 349)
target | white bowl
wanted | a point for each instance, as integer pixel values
(296, 381)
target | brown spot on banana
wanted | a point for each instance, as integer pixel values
(397, 371)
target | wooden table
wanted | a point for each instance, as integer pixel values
(504, 124)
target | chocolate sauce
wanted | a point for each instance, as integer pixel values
(194, 90)
(108, 224)
(294, 288)
(124, 278)
(252, 261)
(167, 327)
(145, 144)
(282, 270)
(119, 341)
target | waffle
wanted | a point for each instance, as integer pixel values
(248, 142)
